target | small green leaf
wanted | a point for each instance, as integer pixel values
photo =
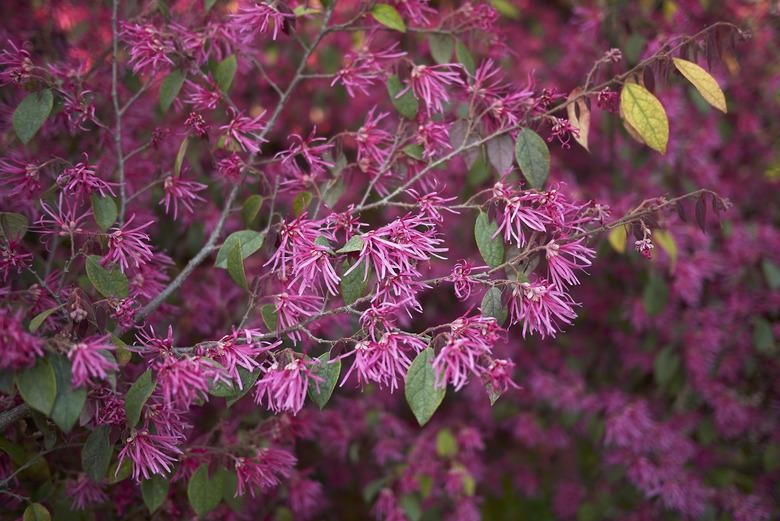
(354, 244)
(655, 295)
(108, 282)
(170, 87)
(13, 226)
(225, 71)
(479, 171)
(506, 8)
(491, 249)
(387, 15)
(229, 485)
(268, 312)
(251, 208)
(118, 473)
(104, 210)
(493, 307)
(301, 202)
(763, 336)
(321, 391)
(203, 492)
(154, 492)
(771, 274)
(31, 113)
(533, 157)
(69, 401)
(250, 241)
(248, 379)
(235, 265)
(180, 155)
(667, 362)
(96, 453)
(136, 397)
(646, 115)
(465, 58)
(414, 151)
(38, 386)
(422, 393)
(353, 285)
(36, 512)
(406, 104)
(441, 47)
(208, 4)
(446, 444)
(40, 318)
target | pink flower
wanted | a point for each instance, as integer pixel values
(386, 361)
(62, 220)
(517, 214)
(13, 259)
(264, 470)
(304, 157)
(462, 278)
(361, 69)
(16, 65)
(178, 190)
(18, 348)
(243, 130)
(150, 454)
(149, 48)
(81, 180)
(91, 359)
(127, 244)
(565, 257)
(291, 308)
(498, 376)
(185, 380)
(431, 204)
(84, 492)
(19, 177)
(373, 143)
(239, 349)
(429, 84)
(295, 239)
(197, 124)
(254, 17)
(434, 137)
(284, 388)
(541, 307)
(467, 350)
(230, 167)
(203, 99)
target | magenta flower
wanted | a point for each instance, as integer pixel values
(150, 454)
(16, 65)
(304, 157)
(284, 388)
(458, 359)
(264, 470)
(541, 307)
(13, 259)
(373, 143)
(384, 362)
(148, 47)
(230, 167)
(91, 360)
(128, 244)
(313, 265)
(462, 278)
(498, 376)
(518, 214)
(62, 220)
(431, 204)
(18, 348)
(429, 84)
(565, 257)
(84, 492)
(203, 99)
(361, 69)
(434, 137)
(239, 349)
(177, 190)
(19, 177)
(253, 17)
(197, 124)
(185, 380)
(244, 130)
(81, 180)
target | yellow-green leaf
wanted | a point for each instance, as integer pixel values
(617, 239)
(667, 242)
(646, 116)
(388, 16)
(704, 83)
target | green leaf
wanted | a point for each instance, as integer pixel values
(180, 155)
(479, 171)
(491, 249)
(36, 512)
(353, 285)
(414, 151)
(154, 492)
(225, 71)
(704, 82)
(388, 16)
(330, 377)
(446, 444)
(645, 114)
(763, 336)
(422, 394)
(229, 485)
(251, 208)
(268, 312)
(533, 157)
(250, 242)
(406, 104)
(96, 453)
(354, 244)
(441, 47)
(136, 397)
(31, 113)
(119, 473)
(208, 4)
(655, 295)
(170, 87)
(40, 318)
(13, 226)
(465, 58)
(506, 8)
(301, 202)
(203, 492)
(69, 401)
(38, 386)
(667, 362)
(104, 210)
(771, 274)
(235, 265)
(108, 282)
(493, 307)
(248, 379)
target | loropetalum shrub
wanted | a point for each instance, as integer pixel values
(345, 260)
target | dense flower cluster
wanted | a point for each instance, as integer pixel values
(402, 260)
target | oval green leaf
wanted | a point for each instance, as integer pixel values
(108, 282)
(491, 249)
(250, 241)
(154, 492)
(38, 386)
(170, 87)
(96, 453)
(136, 397)
(31, 113)
(533, 157)
(422, 394)
(320, 391)
(388, 16)
(645, 114)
